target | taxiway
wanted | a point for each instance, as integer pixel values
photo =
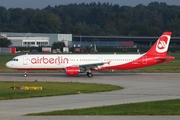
(138, 87)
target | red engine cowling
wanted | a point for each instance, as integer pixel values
(72, 71)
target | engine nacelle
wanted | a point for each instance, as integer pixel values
(72, 71)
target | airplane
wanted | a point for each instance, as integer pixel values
(86, 63)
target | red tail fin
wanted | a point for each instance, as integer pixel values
(161, 45)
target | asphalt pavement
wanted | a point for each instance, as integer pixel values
(138, 87)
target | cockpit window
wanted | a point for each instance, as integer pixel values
(15, 59)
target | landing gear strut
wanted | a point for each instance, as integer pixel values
(89, 74)
(25, 73)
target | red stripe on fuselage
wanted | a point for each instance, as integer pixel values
(143, 61)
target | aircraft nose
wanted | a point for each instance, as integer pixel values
(9, 64)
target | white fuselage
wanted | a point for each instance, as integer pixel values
(61, 61)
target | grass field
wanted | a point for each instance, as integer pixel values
(168, 107)
(51, 89)
(172, 66)
(3, 59)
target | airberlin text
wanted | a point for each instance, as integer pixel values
(51, 60)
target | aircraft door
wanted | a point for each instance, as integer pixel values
(25, 60)
(100, 60)
(144, 60)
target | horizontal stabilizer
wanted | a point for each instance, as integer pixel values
(165, 58)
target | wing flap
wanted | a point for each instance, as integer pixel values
(92, 65)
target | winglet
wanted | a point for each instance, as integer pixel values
(108, 62)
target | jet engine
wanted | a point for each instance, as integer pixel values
(72, 71)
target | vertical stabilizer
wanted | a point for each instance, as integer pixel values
(161, 46)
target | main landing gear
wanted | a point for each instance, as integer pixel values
(89, 74)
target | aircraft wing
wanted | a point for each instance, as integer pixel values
(93, 65)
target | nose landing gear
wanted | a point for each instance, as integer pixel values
(25, 73)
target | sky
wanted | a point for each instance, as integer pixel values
(44, 3)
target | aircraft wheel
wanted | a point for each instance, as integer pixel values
(25, 73)
(90, 75)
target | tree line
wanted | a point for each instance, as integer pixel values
(94, 19)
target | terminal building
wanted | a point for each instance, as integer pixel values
(36, 39)
(121, 41)
(42, 39)
(29, 41)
